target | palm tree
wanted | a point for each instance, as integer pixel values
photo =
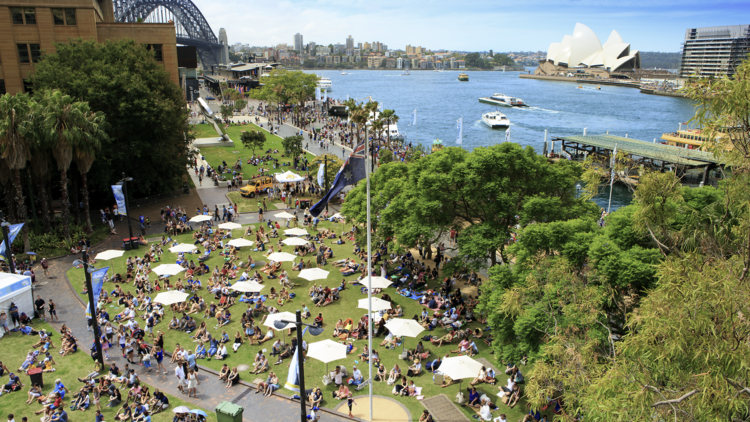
(85, 152)
(40, 153)
(65, 123)
(377, 127)
(14, 146)
(390, 118)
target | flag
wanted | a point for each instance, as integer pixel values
(460, 127)
(325, 95)
(351, 172)
(292, 379)
(97, 281)
(347, 98)
(119, 199)
(321, 176)
(12, 233)
(507, 135)
(413, 121)
(317, 93)
(612, 163)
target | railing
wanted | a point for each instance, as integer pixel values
(148, 200)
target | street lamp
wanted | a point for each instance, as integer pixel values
(578, 190)
(8, 255)
(124, 184)
(280, 324)
(92, 304)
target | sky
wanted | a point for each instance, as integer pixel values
(467, 25)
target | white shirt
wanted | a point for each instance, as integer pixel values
(179, 373)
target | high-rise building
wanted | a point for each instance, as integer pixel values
(311, 48)
(714, 51)
(298, 42)
(349, 43)
(225, 49)
(367, 46)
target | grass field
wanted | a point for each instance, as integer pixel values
(344, 308)
(205, 130)
(13, 350)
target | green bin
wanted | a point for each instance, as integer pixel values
(228, 412)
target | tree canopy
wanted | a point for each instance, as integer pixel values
(287, 86)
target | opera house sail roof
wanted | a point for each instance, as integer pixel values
(583, 49)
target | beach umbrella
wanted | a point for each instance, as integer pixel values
(288, 177)
(295, 241)
(326, 351)
(110, 254)
(181, 409)
(199, 412)
(278, 316)
(240, 242)
(183, 248)
(282, 257)
(230, 226)
(460, 367)
(247, 286)
(171, 297)
(377, 304)
(284, 215)
(200, 218)
(404, 328)
(311, 274)
(295, 232)
(168, 269)
(377, 282)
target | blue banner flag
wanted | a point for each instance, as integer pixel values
(97, 281)
(351, 172)
(507, 135)
(317, 93)
(12, 233)
(119, 199)
(413, 121)
(460, 127)
(292, 379)
(321, 176)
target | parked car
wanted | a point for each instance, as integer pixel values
(210, 98)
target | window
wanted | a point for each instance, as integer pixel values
(64, 16)
(30, 15)
(23, 53)
(156, 48)
(28, 87)
(35, 51)
(17, 15)
(21, 15)
(2, 86)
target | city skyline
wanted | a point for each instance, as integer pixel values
(474, 26)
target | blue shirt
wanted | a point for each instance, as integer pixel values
(191, 361)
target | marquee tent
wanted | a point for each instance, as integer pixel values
(17, 289)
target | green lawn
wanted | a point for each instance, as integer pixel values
(344, 308)
(205, 130)
(13, 349)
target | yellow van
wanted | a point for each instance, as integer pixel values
(256, 185)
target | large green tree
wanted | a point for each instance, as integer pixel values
(148, 129)
(16, 115)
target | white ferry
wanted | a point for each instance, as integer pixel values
(503, 100)
(324, 83)
(495, 119)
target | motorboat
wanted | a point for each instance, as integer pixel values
(406, 72)
(495, 119)
(324, 83)
(344, 73)
(503, 100)
(463, 77)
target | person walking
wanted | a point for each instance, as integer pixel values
(45, 267)
(192, 383)
(180, 375)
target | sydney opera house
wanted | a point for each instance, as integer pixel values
(583, 53)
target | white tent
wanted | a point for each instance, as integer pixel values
(288, 177)
(17, 289)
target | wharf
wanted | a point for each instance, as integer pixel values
(628, 84)
(677, 94)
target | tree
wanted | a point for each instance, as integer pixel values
(226, 111)
(141, 106)
(240, 104)
(309, 63)
(292, 145)
(84, 153)
(253, 139)
(391, 118)
(502, 60)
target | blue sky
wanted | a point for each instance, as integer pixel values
(471, 25)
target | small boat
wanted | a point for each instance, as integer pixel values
(463, 77)
(437, 145)
(324, 83)
(344, 73)
(495, 119)
(503, 100)
(406, 72)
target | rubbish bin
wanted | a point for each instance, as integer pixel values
(228, 412)
(304, 204)
(133, 243)
(126, 243)
(36, 377)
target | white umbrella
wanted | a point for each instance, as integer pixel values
(110, 254)
(295, 241)
(460, 367)
(377, 282)
(404, 328)
(288, 177)
(168, 269)
(326, 351)
(377, 304)
(313, 274)
(171, 297)
(183, 247)
(295, 232)
(181, 409)
(281, 315)
(284, 215)
(240, 242)
(247, 286)
(200, 218)
(230, 226)
(282, 257)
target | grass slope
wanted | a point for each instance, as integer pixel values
(205, 130)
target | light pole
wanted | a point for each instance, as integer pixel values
(280, 324)
(127, 204)
(8, 254)
(92, 304)
(578, 190)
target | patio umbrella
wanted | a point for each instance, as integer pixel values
(282, 257)
(295, 241)
(295, 232)
(284, 214)
(230, 226)
(168, 269)
(288, 177)
(311, 274)
(182, 248)
(110, 254)
(199, 412)
(240, 242)
(460, 367)
(377, 304)
(247, 286)
(280, 315)
(200, 218)
(181, 409)
(326, 351)
(377, 282)
(404, 328)
(171, 297)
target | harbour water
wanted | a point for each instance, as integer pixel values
(560, 107)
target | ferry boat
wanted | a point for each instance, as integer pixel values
(437, 145)
(690, 139)
(503, 100)
(495, 119)
(388, 130)
(463, 77)
(324, 83)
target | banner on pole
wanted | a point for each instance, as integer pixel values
(413, 121)
(460, 127)
(119, 199)
(97, 281)
(292, 379)
(507, 135)
(317, 93)
(321, 176)
(12, 233)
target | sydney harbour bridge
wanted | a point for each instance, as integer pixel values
(191, 27)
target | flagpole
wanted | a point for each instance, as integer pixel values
(611, 179)
(369, 268)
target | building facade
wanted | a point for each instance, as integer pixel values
(298, 42)
(225, 49)
(714, 51)
(349, 43)
(30, 29)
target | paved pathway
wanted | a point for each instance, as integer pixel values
(442, 409)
